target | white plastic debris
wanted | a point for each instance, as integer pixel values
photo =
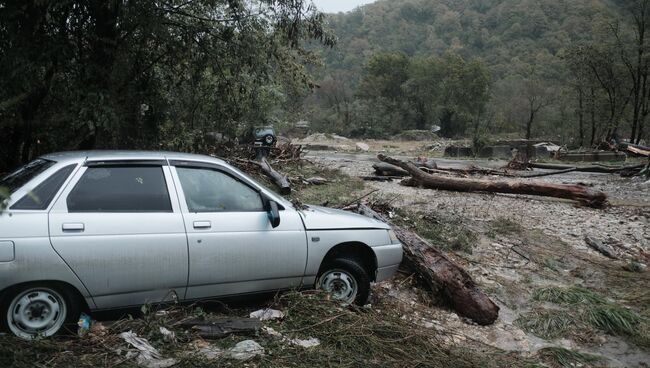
(245, 350)
(147, 355)
(267, 314)
(169, 336)
(308, 343)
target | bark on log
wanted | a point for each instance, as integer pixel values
(443, 275)
(384, 169)
(282, 181)
(572, 192)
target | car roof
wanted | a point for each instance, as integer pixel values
(108, 155)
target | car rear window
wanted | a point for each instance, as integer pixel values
(41, 197)
(121, 189)
(25, 174)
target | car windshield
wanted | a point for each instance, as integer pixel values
(24, 174)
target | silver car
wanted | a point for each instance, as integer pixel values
(106, 229)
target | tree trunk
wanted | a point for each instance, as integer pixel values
(443, 275)
(572, 192)
(280, 180)
(593, 116)
(581, 123)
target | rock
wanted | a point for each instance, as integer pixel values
(363, 147)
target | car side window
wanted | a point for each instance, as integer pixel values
(121, 189)
(214, 191)
(41, 197)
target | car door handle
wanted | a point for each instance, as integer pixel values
(202, 224)
(73, 227)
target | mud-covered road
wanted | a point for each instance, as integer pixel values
(547, 248)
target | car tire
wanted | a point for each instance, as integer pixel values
(38, 311)
(269, 140)
(346, 279)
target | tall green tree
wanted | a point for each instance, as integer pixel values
(138, 74)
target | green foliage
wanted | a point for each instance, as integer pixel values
(124, 74)
(561, 357)
(523, 45)
(417, 93)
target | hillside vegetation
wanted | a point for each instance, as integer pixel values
(531, 51)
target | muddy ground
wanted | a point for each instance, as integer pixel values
(517, 247)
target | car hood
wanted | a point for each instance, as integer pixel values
(322, 218)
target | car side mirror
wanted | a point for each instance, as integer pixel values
(274, 213)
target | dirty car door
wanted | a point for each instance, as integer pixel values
(122, 233)
(233, 247)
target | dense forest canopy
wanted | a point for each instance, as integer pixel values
(146, 74)
(164, 75)
(571, 70)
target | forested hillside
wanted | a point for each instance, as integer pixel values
(530, 51)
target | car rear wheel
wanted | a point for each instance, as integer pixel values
(346, 280)
(32, 311)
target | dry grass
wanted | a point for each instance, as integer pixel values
(350, 337)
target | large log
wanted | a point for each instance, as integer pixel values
(592, 169)
(572, 192)
(443, 275)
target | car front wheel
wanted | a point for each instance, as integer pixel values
(37, 311)
(346, 280)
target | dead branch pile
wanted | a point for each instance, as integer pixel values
(422, 179)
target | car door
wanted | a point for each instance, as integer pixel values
(233, 247)
(119, 227)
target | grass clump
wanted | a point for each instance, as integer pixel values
(505, 226)
(446, 235)
(634, 267)
(568, 296)
(614, 319)
(340, 190)
(560, 357)
(548, 324)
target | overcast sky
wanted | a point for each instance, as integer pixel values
(335, 6)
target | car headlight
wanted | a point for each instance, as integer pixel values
(393, 237)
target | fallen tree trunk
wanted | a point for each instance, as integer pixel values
(384, 169)
(638, 151)
(443, 275)
(573, 192)
(593, 169)
(280, 180)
